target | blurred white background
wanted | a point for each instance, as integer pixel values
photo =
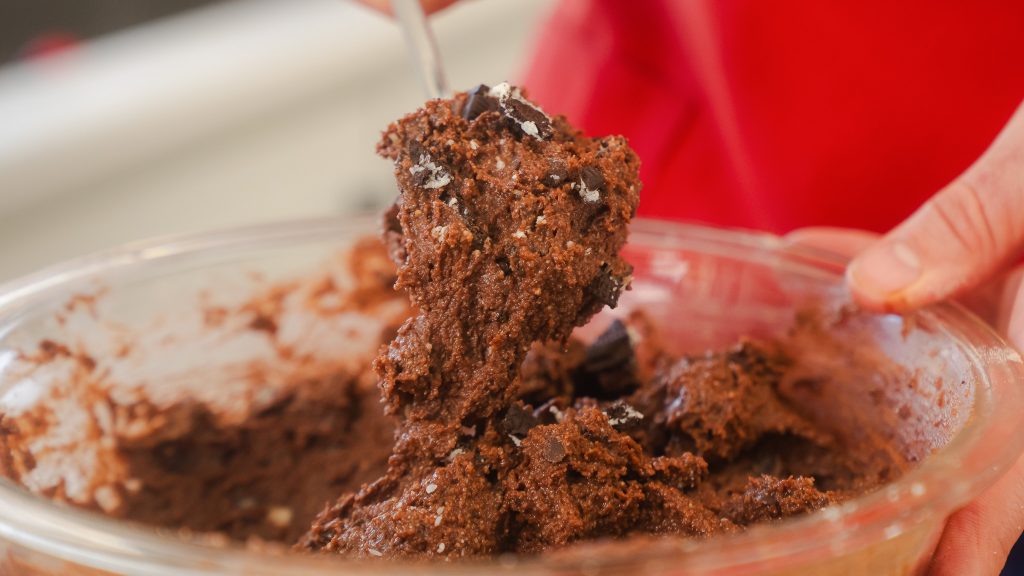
(234, 113)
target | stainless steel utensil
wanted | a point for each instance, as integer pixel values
(422, 46)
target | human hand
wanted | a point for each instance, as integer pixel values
(966, 243)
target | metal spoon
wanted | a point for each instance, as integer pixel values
(422, 46)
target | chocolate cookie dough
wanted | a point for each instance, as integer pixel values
(484, 427)
(511, 223)
(506, 234)
(249, 449)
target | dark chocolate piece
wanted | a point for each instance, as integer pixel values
(550, 412)
(623, 416)
(478, 102)
(592, 178)
(609, 365)
(525, 117)
(518, 420)
(425, 170)
(553, 450)
(611, 351)
(557, 174)
(606, 287)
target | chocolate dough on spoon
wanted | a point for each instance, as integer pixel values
(507, 233)
(510, 226)
(511, 436)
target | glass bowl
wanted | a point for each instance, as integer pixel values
(705, 286)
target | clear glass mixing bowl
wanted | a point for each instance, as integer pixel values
(706, 287)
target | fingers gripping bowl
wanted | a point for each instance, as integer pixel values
(704, 287)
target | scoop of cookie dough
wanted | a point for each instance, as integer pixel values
(506, 232)
(511, 224)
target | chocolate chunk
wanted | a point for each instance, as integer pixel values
(518, 420)
(612, 350)
(621, 415)
(557, 174)
(606, 288)
(553, 451)
(549, 412)
(526, 118)
(590, 185)
(418, 152)
(609, 366)
(603, 290)
(479, 102)
(426, 172)
(419, 157)
(592, 178)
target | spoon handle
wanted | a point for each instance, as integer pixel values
(422, 46)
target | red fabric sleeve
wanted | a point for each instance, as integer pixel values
(777, 115)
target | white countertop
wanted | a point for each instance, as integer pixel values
(247, 111)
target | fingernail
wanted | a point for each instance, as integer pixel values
(886, 269)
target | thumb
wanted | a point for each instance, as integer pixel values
(957, 239)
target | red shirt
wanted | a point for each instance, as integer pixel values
(781, 114)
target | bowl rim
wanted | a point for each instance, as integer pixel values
(942, 483)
